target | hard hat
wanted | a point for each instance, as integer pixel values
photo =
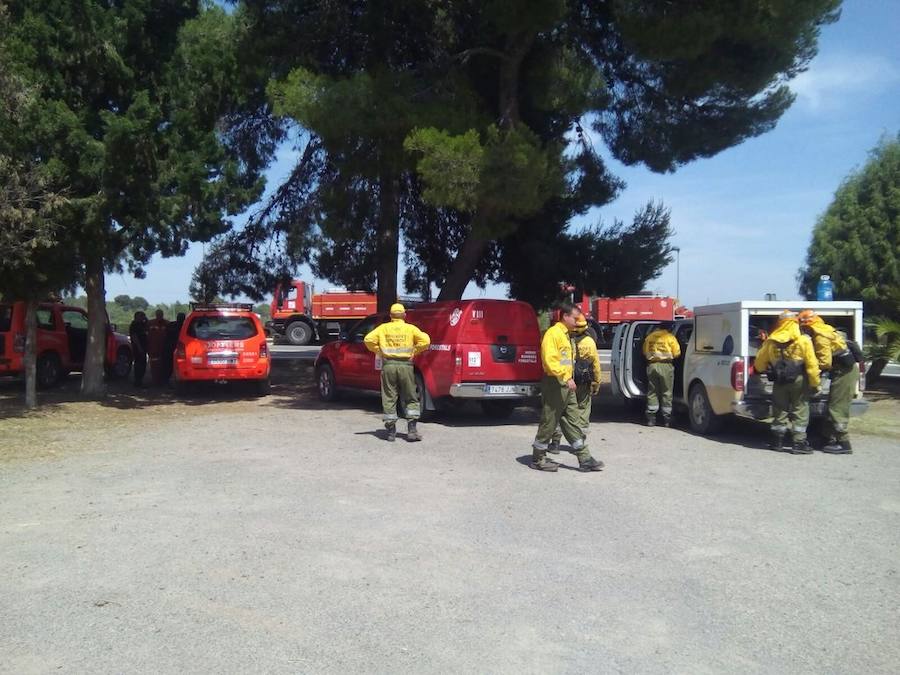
(806, 316)
(397, 309)
(581, 324)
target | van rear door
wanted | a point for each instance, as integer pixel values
(499, 341)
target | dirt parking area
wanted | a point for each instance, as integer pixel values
(229, 534)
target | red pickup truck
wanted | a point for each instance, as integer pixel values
(483, 350)
(61, 342)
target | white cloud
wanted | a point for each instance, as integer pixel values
(841, 79)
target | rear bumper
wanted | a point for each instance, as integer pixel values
(521, 390)
(261, 372)
(760, 410)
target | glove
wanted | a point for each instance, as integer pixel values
(595, 388)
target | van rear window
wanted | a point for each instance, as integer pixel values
(222, 328)
(489, 324)
(5, 318)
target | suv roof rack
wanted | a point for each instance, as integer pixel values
(218, 306)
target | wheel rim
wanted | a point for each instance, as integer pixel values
(325, 384)
(698, 409)
(298, 334)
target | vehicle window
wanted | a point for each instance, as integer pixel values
(5, 318)
(711, 332)
(683, 333)
(728, 346)
(363, 328)
(74, 319)
(220, 327)
(45, 319)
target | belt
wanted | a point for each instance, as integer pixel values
(396, 359)
(664, 361)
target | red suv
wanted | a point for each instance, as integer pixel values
(61, 342)
(222, 342)
(486, 350)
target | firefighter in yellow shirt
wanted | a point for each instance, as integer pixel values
(397, 343)
(660, 349)
(586, 376)
(789, 360)
(559, 407)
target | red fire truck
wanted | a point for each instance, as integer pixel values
(300, 315)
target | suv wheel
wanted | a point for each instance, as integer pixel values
(122, 366)
(263, 387)
(49, 370)
(299, 333)
(325, 383)
(703, 420)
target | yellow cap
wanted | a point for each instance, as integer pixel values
(397, 309)
(806, 316)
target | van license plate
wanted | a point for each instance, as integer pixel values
(499, 389)
(222, 361)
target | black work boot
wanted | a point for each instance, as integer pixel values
(776, 441)
(667, 421)
(838, 448)
(391, 432)
(801, 448)
(543, 464)
(591, 464)
(651, 420)
(553, 447)
(412, 434)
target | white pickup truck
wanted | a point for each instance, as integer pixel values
(714, 376)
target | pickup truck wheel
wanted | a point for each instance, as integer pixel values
(299, 333)
(498, 409)
(325, 383)
(703, 420)
(122, 366)
(49, 370)
(263, 387)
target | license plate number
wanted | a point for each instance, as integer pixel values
(499, 389)
(222, 361)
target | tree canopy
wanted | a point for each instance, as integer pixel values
(857, 240)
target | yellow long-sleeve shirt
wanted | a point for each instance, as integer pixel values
(397, 340)
(661, 345)
(557, 354)
(586, 348)
(796, 347)
(826, 341)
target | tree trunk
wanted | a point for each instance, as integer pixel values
(388, 239)
(31, 354)
(465, 263)
(92, 382)
(873, 373)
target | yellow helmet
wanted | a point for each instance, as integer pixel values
(787, 315)
(806, 317)
(580, 324)
(397, 309)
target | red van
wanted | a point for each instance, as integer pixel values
(486, 350)
(61, 342)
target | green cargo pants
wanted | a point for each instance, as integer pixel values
(559, 408)
(398, 382)
(790, 408)
(660, 384)
(583, 400)
(840, 396)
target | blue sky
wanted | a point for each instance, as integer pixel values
(743, 219)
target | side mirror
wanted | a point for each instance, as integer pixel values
(113, 327)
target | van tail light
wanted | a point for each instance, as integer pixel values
(19, 343)
(264, 350)
(179, 352)
(737, 376)
(457, 364)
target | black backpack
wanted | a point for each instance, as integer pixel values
(584, 368)
(784, 370)
(850, 356)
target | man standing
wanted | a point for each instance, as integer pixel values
(835, 358)
(587, 378)
(137, 331)
(156, 347)
(790, 362)
(559, 406)
(397, 343)
(660, 350)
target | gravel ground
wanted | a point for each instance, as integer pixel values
(280, 536)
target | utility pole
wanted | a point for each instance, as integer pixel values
(677, 250)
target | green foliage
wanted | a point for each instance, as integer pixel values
(451, 166)
(857, 239)
(121, 310)
(886, 346)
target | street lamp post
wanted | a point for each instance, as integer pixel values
(677, 272)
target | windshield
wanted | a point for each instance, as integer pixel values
(222, 327)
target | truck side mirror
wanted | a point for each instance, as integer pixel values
(113, 327)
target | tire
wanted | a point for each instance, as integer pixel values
(263, 387)
(49, 370)
(299, 333)
(325, 383)
(703, 420)
(183, 388)
(122, 367)
(499, 410)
